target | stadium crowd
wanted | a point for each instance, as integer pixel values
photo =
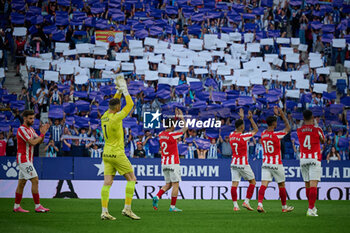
(209, 58)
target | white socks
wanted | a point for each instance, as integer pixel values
(260, 204)
(246, 201)
(284, 206)
(127, 207)
(172, 206)
(16, 206)
(37, 206)
(235, 204)
(104, 210)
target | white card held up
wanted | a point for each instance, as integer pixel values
(195, 44)
(323, 70)
(292, 58)
(266, 41)
(347, 64)
(297, 75)
(277, 62)
(237, 48)
(102, 44)
(151, 41)
(250, 65)
(112, 65)
(118, 37)
(100, 64)
(200, 71)
(66, 69)
(177, 47)
(2, 72)
(286, 50)
(235, 36)
(225, 37)
(248, 37)
(220, 44)
(108, 74)
(164, 69)
(293, 93)
(224, 70)
(81, 79)
(243, 82)
(60, 47)
(99, 50)
(181, 69)
(46, 56)
(199, 63)
(122, 56)
(51, 75)
(70, 52)
(136, 52)
(19, 31)
(303, 47)
(282, 40)
(42, 64)
(320, 87)
(295, 41)
(339, 43)
(185, 62)
(284, 77)
(209, 41)
(170, 60)
(253, 47)
(302, 84)
(169, 81)
(270, 57)
(133, 44)
(314, 56)
(151, 75)
(83, 48)
(141, 64)
(87, 62)
(314, 63)
(127, 66)
(233, 63)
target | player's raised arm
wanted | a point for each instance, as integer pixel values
(121, 85)
(180, 115)
(285, 120)
(250, 118)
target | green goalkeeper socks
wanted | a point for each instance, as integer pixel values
(105, 197)
(129, 192)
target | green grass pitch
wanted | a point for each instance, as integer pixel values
(83, 215)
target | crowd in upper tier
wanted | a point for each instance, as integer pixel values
(209, 58)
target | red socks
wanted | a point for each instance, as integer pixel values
(261, 193)
(250, 191)
(18, 198)
(312, 197)
(307, 190)
(234, 193)
(36, 198)
(160, 193)
(283, 196)
(173, 201)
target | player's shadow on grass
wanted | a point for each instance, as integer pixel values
(67, 194)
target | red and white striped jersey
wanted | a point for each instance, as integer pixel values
(310, 144)
(24, 150)
(168, 145)
(239, 146)
(271, 142)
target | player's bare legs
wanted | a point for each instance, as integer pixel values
(234, 195)
(19, 192)
(262, 189)
(249, 195)
(283, 196)
(161, 191)
(129, 193)
(108, 181)
(312, 197)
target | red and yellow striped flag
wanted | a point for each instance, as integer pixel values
(106, 36)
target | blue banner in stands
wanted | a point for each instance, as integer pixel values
(80, 168)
